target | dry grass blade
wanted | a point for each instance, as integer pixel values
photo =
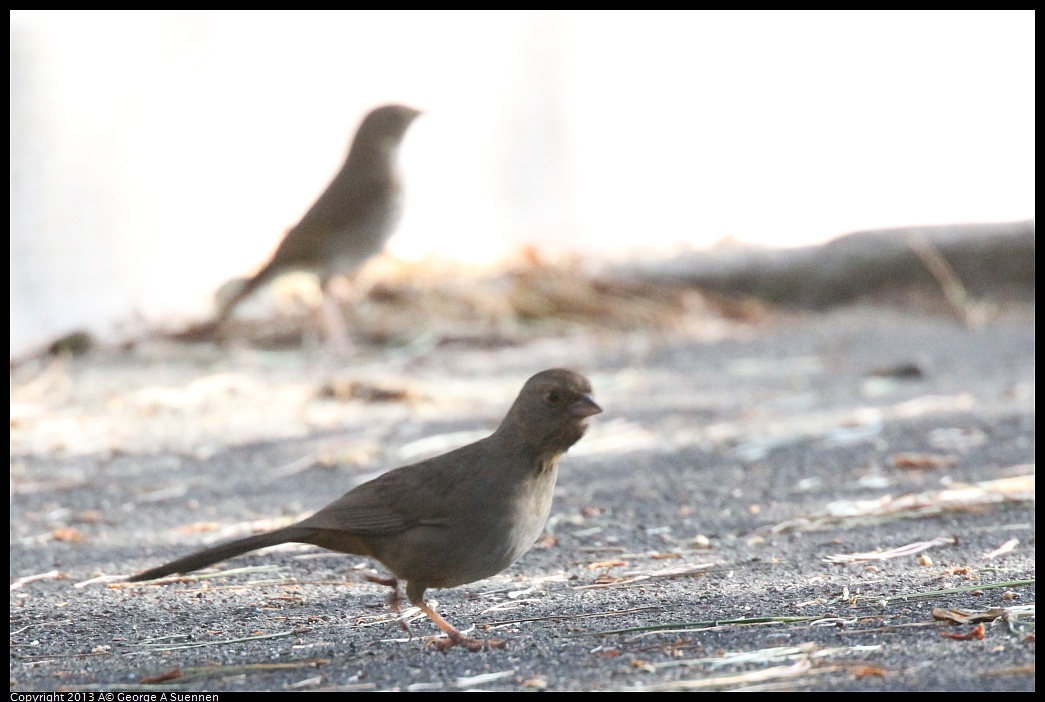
(968, 311)
(855, 513)
(1006, 547)
(49, 575)
(799, 669)
(106, 579)
(1007, 672)
(898, 552)
(571, 617)
(631, 577)
(675, 627)
(885, 599)
(767, 655)
(764, 655)
(150, 648)
(183, 675)
(961, 616)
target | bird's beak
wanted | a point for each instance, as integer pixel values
(584, 407)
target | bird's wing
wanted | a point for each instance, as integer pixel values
(349, 198)
(401, 499)
(339, 209)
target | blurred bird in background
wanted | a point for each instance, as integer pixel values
(349, 223)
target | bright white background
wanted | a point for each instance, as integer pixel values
(154, 155)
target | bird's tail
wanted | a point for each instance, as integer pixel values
(268, 272)
(207, 331)
(224, 552)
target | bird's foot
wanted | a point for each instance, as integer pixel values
(445, 644)
(453, 636)
(394, 600)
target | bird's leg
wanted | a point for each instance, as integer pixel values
(334, 321)
(393, 600)
(454, 637)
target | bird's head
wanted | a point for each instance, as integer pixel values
(552, 411)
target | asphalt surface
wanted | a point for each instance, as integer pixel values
(706, 534)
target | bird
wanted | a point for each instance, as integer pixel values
(349, 223)
(452, 519)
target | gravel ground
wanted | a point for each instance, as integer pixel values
(724, 525)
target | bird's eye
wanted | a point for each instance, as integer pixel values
(553, 397)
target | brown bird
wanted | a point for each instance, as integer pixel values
(349, 223)
(449, 520)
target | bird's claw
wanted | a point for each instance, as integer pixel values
(445, 644)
